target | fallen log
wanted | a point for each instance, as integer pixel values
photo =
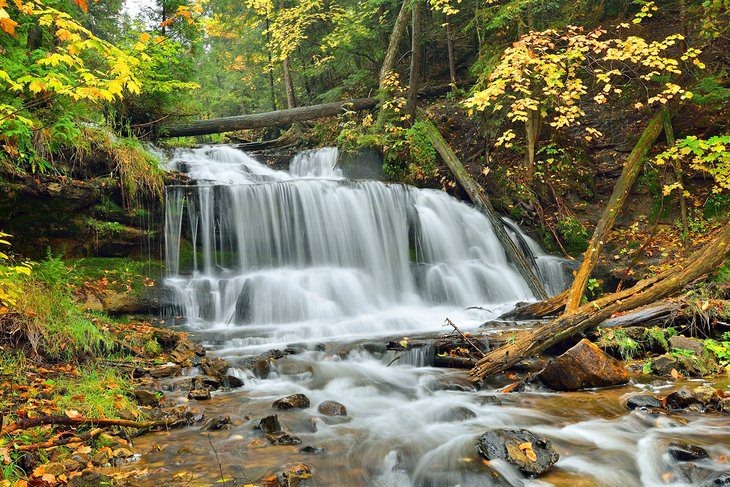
(540, 309)
(649, 315)
(66, 421)
(632, 167)
(647, 291)
(279, 118)
(481, 201)
(44, 445)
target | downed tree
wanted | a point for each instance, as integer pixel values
(279, 118)
(632, 167)
(399, 29)
(81, 421)
(481, 201)
(647, 291)
(571, 298)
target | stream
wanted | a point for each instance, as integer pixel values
(332, 268)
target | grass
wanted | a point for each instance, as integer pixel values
(96, 392)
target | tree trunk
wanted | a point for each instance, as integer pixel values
(533, 127)
(684, 24)
(481, 201)
(278, 118)
(291, 101)
(632, 167)
(415, 61)
(540, 309)
(396, 36)
(669, 135)
(644, 292)
(450, 50)
(272, 89)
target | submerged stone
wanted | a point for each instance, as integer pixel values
(332, 408)
(199, 394)
(283, 438)
(684, 452)
(528, 452)
(643, 401)
(270, 424)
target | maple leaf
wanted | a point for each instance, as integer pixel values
(82, 4)
(6, 23)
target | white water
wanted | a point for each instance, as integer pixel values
(308, 257)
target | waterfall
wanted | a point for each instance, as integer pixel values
(321, 254)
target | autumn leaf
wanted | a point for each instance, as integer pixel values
(526, 448)
(72, 413)
(82, 4)
(6, 23)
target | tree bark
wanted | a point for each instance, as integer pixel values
(706, 260)
(450, 50)
(291, 101)
(272, 90)
(415, 61)
(278, 118)
(677, 166)
(481, 201)
(399, 29)
(533, 127)
(540, 309)
(632, 167)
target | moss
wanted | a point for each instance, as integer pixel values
(575, 236)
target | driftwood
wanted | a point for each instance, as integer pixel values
(647, 291)
(481, 201)
(279, 118)
(59, 441)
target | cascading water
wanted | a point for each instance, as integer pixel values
(260, 259)
(320, 256)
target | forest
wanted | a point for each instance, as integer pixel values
(365, 242)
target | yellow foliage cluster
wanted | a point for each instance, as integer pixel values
(9, 289)
(549, 72)
(708, 156)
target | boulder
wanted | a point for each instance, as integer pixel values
(294, 401)
(705, 395)
(161, 372)
(186, 352)
(528, 452)
(214, 366)
(332, 408)
(684, 452)
(146, 397)
(270, 424)
(643, 401)
(664, 364)
(258, 365)
(582, 367)
(694, 345)
(199, 394)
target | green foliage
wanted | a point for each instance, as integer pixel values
(575, 235)
(617, 339)
(721, 348)
(96, 393)
(709, 157)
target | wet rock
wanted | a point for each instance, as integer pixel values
(684, 452)
(664, 364)
(270, 424)
(294, 349)
(693, 365)
(450, 383)
(680, 398)
(295, 401)
(54, 468)
(167, 339)
(294, 367)
(722, 480)
(122, 453)
(177, 416)
(161, 372)
(214, 366)
(186, 352)
(102, 457)
(528, 452)
(259, 366)
(705, 395)
(312, 450)
(332, 408)
(232, 382)
(199, 394)
(147, 397)
(90, 479)
(295, 474)
(283, 438)
(723, 405)
(219, 423)
(643, 401)
(684, 343)
(273, 354)
(583, 366)
(205, 382)
(457, 413)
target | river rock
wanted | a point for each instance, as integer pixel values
(232, 382)
(684, 452)
(681, 398)
(312, 450)
(295, 401)
(218, 423)
(283, 438)
(214, 366)
(454, 414)
(187, 353)
(332, 408)
(643, 401)
(705, 395)
(684, 343)
(161, 372)
(270, 424)
(90, 479)
(528, 452)
(147, 397)
(582, 367)
(199, 394)
(260, 366)
(205, 382)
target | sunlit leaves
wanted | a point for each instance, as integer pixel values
(708, 156)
